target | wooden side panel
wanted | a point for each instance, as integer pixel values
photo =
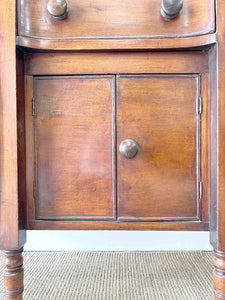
(205, 146)
(73, 132)
(213, 170)
(97, 19)
(161, 114)
(9, 213)
(21, 146)
(218, 168)
(221, 128)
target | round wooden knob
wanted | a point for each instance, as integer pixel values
(57, 8)
(170, 8)
(128, 148)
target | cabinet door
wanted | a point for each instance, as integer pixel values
(73, 142)
(160, 113)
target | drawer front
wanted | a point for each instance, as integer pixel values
(160, 114)
(73, 132)
(93, 19)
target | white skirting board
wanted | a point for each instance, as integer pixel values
(117, 241)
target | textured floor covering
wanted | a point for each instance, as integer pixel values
(116, 276)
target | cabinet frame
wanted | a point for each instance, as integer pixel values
(73, 64)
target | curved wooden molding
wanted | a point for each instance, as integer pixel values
(119, 44)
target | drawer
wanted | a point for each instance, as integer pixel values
(106, 19)
(162, 180)
(73, 147)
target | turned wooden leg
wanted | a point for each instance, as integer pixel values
(219, 275)
(13, 275)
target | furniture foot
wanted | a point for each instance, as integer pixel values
(219, 275)
(13, 275)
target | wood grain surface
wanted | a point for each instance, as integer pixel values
(114, 19)
(217, 207)
(116, 63)
(51, 98)
(160, 114)
(13, 274)
(123, 72)
(73, 131)
(11, 238)
(118, 44)
(118, 225)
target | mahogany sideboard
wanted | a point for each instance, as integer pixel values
(112, 117)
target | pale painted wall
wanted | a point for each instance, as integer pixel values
(116, 241)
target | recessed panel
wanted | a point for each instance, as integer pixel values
(160, 114)
(73, 132)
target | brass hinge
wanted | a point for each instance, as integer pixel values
(200, 105)
(34, 189)
(33, 106)
(200, 190)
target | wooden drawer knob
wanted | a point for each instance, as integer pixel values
(57, 9)
(170, 8)
(128, 148)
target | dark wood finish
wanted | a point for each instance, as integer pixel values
(57, 9)
(218, 152)
(21, 151)
(116, 63)
(104, 63)
(221, 129)
(170, 9)
(161, 181)
(213, 152)
(117, 44)
(118, 225)
(11, 237)
(219, 275)
(13, 275)
(114, 19)
(73, 145)
(29, 92)
(12, 198)
(110, 38)
(205, 151)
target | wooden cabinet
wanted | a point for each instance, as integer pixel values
(74, 122)
(77, 124)
(112, 117)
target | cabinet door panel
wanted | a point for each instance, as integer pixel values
(73, 129)
(160, 114)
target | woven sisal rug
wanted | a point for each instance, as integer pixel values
(116, 276)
